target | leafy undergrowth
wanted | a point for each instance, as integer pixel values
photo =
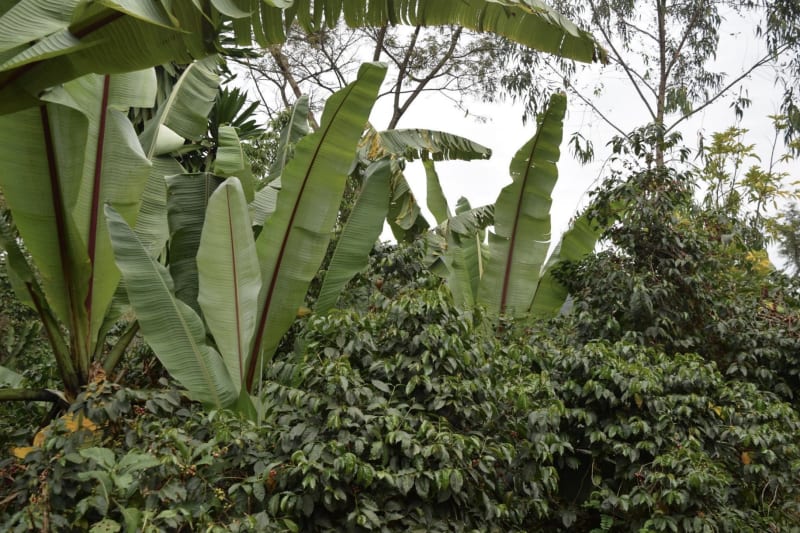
(413, 416)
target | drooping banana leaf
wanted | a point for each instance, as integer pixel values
(77, 38)
(293, 241)
(413, 144)
(229, 276)
(291, 133)
(359, 234)
(437, 203)
(521, 238)
(187, 200)
(173, 330)
(578, 241)
(47, 42)
(405, 217)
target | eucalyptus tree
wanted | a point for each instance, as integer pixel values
(665, 51)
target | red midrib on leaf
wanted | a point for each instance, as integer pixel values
(513, 238)
(79, 33)
(254, 354)
(232, 237)
(94, 213)
(60, 223)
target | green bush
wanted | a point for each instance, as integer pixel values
(411, 415)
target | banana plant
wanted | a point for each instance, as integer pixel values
(513, 274)
(384, 193)
(63, 161)
(78, 151)
(249, 289)
(44, 43)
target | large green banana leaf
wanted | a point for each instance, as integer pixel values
(47, 42)
(187, 199)
(229, 276)
(63, 161)
(294, 240)
(578, 241)
(521, 238)
(358, 237)
(173, 330)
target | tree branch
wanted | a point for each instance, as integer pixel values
(758, 64)
(621, 62)
(283, 65)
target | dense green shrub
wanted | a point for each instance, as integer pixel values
(685, 278)
(666, 443)
(411, 415)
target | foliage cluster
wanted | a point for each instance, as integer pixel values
(415, 415)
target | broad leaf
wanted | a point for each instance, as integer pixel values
(437, 202)
(359, 234)
(577, 242)
(293, 241)
(519, 243)
(187, 200)
(229, 276)
(173, 330)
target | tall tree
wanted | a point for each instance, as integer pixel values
(665, 50)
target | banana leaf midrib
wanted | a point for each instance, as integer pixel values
(94, 215)
(59, 212)
(265, 308)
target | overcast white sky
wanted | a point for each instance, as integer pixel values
(481, 181)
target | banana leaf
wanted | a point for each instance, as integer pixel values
(291, 133)
(76, 152)
(294, 240)
(359, 234)
(187, 199)
(48, 42)
(578, 241)
(229, 276)
(519, 243)
(437, 203)
(172, 329)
